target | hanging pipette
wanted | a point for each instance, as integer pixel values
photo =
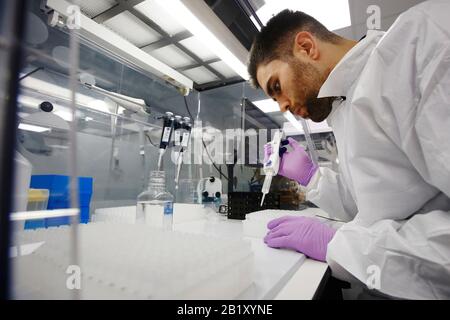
(186, 136)
(165, 136)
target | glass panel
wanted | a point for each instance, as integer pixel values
(42, 194)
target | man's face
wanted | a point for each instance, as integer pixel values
(295, 85)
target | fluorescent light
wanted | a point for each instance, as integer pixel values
(134, 30)
(291, 118)
(30, 127)
(23, 114)
(28, 101)
(99, 105)
(93, 8)
(333, 14)
(200, 20)
(294, 126)
(64, 114)
(52, 90)
(172, 56)
(267, 105)
(40, 214)
(196, 47)
(201, 75)
(58, 92)
(255, 23)
(223, 68)
(57, 146)
(156, 14)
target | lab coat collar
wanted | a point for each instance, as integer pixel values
(348, 69)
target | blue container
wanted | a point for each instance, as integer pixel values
(58, 186)
(34, 224)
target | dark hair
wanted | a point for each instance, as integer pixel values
(276, 39)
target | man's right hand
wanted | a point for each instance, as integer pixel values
(294, 164)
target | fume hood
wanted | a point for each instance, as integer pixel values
(182, 42)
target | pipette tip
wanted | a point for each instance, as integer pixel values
(262, 200)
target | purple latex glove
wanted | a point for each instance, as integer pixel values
(303, 234)
(296, 164)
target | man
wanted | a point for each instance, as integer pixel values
(387, 98)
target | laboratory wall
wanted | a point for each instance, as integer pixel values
(364, 12)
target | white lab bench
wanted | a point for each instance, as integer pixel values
(279, 273)
(276, 273)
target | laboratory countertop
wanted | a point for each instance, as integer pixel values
(278, 273)
(269, 274)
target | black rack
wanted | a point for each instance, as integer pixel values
(241, 203)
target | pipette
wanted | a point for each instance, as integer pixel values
(303, 126)
(177, 128)
(272, 164)
(165, 136)
(178, 132)
(184, 142)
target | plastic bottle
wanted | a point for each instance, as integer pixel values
(155, 205)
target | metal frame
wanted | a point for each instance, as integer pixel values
(17, 13)
(217, 84)
(120, 7)
(248, 8)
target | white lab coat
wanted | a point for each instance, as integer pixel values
(393, 138)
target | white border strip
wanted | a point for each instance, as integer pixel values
(40, 214)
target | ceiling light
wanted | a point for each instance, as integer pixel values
(30, 127)
(99, 105)
(61, 93)
(333, 14)
(294, 126)
(292, 120)
(22, 114)
(267, 105)
(202, 22)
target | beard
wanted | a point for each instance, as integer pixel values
(312, 80)
(319, 108)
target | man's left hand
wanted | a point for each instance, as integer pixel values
(303, 234)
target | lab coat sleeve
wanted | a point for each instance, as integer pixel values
(327, 191)
(408, 258)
